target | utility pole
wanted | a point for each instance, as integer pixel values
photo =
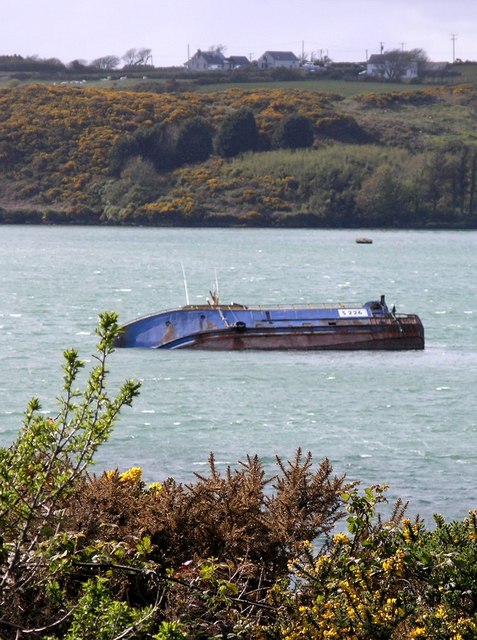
(402, 45)
(453, 38)
(381, 45)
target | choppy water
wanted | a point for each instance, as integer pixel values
(408, 418)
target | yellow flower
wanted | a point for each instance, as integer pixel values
(132, 475)
(388, 565)
(155, 487)
(340, 538)
(321, 561)
(395, 563)
(440, 611)
(307, 545)
(407, 530)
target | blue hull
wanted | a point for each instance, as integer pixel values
(308, 327)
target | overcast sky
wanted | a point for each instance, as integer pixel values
(345, 30)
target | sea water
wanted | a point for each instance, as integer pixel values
(408, 419)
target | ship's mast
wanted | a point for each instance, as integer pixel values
(185, 285)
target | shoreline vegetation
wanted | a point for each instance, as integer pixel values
(300, 554)
(159, 155)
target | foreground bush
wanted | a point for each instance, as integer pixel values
(389, 580)
(300, 554)
(37, 477)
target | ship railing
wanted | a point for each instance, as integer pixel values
(299, 306)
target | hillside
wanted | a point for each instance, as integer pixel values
(404, 158)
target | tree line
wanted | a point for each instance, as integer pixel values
(338, 186)
(169, 146)
(135, 58)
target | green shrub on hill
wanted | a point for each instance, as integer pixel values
(293, 132)
(166, 146)
(237, 134)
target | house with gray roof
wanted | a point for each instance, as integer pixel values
(207, 61)
(274, 59)
(215, 61)
(387, 67)
(238, 62)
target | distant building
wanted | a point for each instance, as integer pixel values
(207, 61)
(380, 65)
(274, 59)
(215, 61)
(237, 62)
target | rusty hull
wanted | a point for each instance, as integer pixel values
(405, 333)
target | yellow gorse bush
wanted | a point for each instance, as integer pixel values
(132, 475)
(57, 145)
(155, 487)
(67, 133)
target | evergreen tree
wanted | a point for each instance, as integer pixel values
(194, 141)
(293, 132)
(237, 134)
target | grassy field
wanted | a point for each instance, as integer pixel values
(346, 88)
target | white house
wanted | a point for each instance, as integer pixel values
(207, 61)
(274, 59)
(215, 61)
(380, 65)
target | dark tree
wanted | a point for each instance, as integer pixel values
(293, 132)
(194, 141)
(106, 63)
(396, 63)
(77, 66)
(237, 134)
(166, 146)
(124, 149)
(151, 143)
(137, 57)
